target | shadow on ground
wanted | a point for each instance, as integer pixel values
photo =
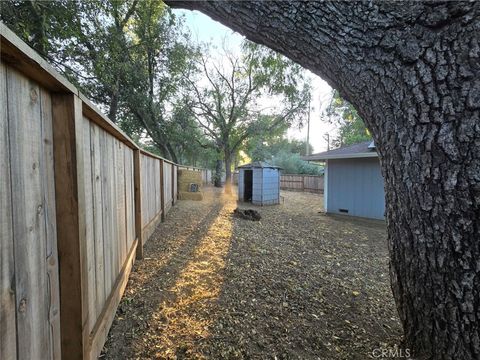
(297, 285)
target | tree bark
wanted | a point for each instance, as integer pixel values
(228, 172)
(114, 98)
(412, 72)
(217, 181)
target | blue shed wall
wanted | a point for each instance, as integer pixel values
(257, 186)
(355, 185)
(241, 185)
(271, 186)
(265, 186)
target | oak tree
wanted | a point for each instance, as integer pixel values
(237, 92)
(412, 70)
(351, 127)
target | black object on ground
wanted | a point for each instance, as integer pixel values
(247, 214)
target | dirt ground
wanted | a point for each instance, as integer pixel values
(296, 285)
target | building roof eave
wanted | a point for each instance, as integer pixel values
(342, 156)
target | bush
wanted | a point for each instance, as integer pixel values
(293, 164)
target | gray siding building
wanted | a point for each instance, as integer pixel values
(259, 183)
(353, 181)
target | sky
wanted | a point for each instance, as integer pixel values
(204, 29)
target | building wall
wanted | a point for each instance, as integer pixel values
(355, 185)
(241, 184)
(271, 186)
(257, 186)
(265, 186)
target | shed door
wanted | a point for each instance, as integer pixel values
(247, 181)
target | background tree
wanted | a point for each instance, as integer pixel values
(252, 94)
(412, 71)
(264, 148)
(292, 163)
(129, 56)
(40, 23)
(277, 149)
(351, 128)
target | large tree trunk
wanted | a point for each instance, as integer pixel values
(412, 72)
(228, 172)
(114, 98)
(217, 181)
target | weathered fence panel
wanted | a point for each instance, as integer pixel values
(152, 210)
(167, 185)
(297, 182)
(175, 183)
(206, 173)
(107, 184)
(78, 198)
(207, 176)
(29, 289)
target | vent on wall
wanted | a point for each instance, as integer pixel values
(193, 187)
(343, 211)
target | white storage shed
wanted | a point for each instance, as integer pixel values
(259, 183)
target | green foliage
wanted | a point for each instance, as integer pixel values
(190, 145)
(266, 146)
(136, 61)
(228, 99)
(43, 24)
(278, 76)
(129, 56)
(276, 148)
(293, 164)
(351, 126)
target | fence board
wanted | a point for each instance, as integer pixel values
(151, 194)
(98, 234)
(53, 280)
(113, 202)
(8, 348)
(137, 180)
(110, 234)
(82, 194)
(129, 198)
(89, 220)
(296, 182)
(120, 205)
(175, 183)
(105, 154)
(26, 133)
(167, 181)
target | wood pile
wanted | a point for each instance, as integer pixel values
(247, 214)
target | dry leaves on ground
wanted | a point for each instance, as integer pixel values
(295, 285)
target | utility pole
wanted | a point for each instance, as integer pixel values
(327, 137)
(308, 130)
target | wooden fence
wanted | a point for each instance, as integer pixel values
(78, 199)
(296, 182)
(206, 173)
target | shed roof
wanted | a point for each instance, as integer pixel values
(360, 150)
(258, 164)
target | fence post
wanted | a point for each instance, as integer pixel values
(173, 186)
(162, 189)
(137, 179)
(71, 242)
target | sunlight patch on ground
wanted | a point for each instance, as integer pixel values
(188, 317)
